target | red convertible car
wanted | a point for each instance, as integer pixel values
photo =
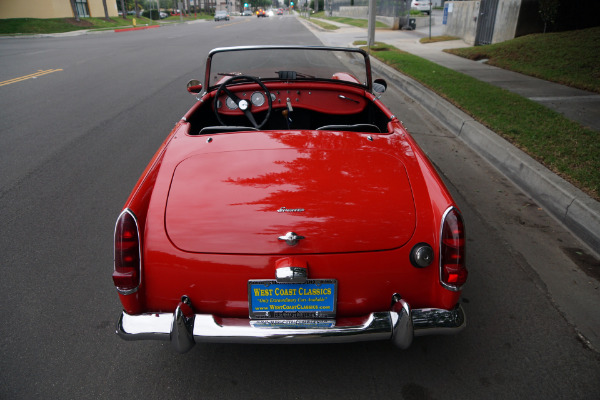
(289, 205)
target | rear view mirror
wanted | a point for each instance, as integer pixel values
(379, 86)
(194, 86)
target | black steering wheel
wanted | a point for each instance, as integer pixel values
(243, 104)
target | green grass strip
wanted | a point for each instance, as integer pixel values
(564, 146)
(361, 23)
(322, 24)
(32, 26)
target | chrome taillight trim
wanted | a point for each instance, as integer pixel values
(137, 229)
(126, 292)
(453, 288)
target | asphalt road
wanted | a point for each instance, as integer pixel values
(73, 142)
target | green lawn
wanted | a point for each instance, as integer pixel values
(564, 146)
(570, 58)
(25, 26)
(57, 25)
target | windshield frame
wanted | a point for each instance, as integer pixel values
(364, 54)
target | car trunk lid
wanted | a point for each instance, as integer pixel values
(246, 202)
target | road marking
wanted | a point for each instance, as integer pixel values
(30, 76)
(229, 24)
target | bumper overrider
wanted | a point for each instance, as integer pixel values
(183, 328)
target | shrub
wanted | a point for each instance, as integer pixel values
(152, 14)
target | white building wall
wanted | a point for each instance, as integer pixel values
(507, 16)
(460, 19)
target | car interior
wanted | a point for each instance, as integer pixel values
(301, 108)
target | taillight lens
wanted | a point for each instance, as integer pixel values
(453, 270)
(126, 275)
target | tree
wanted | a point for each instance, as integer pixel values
(75, 13)
(548, 11)
(105, 10)
(123, 9)
(262, 3)
(317, 5)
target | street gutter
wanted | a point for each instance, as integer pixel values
(139, 28)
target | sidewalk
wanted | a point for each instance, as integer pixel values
(576, 210)
(578, 105)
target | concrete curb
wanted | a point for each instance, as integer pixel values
(566, 203)
(137, 28)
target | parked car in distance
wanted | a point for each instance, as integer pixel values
(247, 13)
(222, 16)
(289, 205)
(422, 5)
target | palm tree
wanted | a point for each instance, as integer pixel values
(105, 10)
(122, 9)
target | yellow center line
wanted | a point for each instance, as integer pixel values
(229, 24)
(30, 76)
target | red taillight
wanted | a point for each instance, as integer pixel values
(453, 273)
(126, 275)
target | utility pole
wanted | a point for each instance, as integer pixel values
(371, 27)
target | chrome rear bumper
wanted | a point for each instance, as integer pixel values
(400, 325)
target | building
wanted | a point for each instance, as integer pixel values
(55, 8)
(493, 21)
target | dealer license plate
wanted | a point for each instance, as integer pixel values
(269, 299)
